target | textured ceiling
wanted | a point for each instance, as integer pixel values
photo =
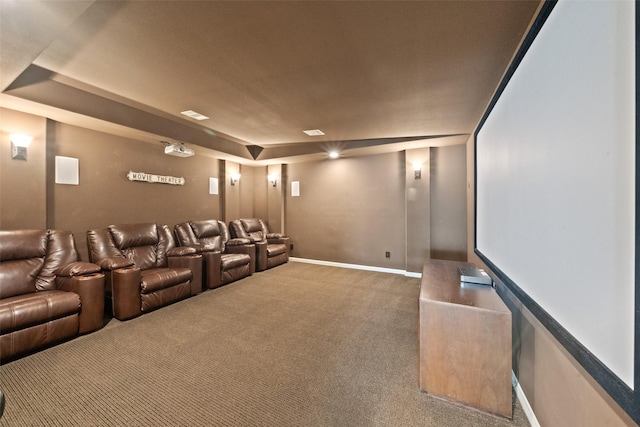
(378, 75)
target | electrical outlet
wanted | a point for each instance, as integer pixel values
(387, 254)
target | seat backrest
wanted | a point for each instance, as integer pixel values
(265, 229)
(211, 234)
(144, 244)
(29, 259)
(184, 234)
(251, 228)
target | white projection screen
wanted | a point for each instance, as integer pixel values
(556, 179)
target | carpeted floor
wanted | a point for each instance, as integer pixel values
(297, 345)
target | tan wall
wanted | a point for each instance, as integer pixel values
(247, 187)
(350, 210)
(256, 197)
(560, 391)
(353, 210)
(232, 193)
(275, 198)
(260, 203)
(418, 209)
(448, 203)
(105, 195)
(23, 183)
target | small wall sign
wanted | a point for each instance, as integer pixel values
(149, 177)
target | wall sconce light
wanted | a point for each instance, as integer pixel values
(334, 154)
(234, 178)
(417, 170)
(19, 144)
(273, 179)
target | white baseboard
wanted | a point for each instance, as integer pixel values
(413, 274)
(358, 267)
(526, 407)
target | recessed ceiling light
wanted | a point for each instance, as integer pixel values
(313, 132)
(334, 154)
(194, 115)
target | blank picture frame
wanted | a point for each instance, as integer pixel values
(213, 185)
(67, 170)
(295, 189)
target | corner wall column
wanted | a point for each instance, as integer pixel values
(276, 198)
(418, 209)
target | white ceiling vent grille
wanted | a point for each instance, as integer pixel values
(194, 115)
(313, 132)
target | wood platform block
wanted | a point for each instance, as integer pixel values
(465, 341)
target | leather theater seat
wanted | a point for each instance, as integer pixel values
(143, 267)
(46, 294)
(271, 248)
(225, 260)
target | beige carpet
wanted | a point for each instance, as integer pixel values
(297, 345)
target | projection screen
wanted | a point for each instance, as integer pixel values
(556, 177)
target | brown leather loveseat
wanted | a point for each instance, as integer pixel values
(271, 248)
(225, 260)
(143, 267)
(46, 294)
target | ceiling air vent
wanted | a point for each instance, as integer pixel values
(313, 132)
(194, 115)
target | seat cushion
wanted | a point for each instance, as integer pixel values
(160, 278)
(26, 310)
(276, 249)
(229, 261)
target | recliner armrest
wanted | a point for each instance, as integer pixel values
(199, 248)
(125, 292)
(275, 236)
(77, 268)
(208, 248)
(85, 280)
(182, 251)
(261, 255)
(115, 263)
(239, 241)
(211, 271)
(281, 239)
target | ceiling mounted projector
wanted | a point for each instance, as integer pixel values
(178, 150)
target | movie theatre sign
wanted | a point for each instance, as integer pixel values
(149, 177)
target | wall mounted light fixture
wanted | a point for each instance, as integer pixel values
(273, 179)
(19, 144)
(334, 155)
(235, 177)
(417, 170)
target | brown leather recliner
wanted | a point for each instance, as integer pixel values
(46, 294)
(271, 248)
(144, 269)
(225, 260)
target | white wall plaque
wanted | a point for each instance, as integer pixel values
(149, 177)
(295, 189)
(213, 185)
(67, 170)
